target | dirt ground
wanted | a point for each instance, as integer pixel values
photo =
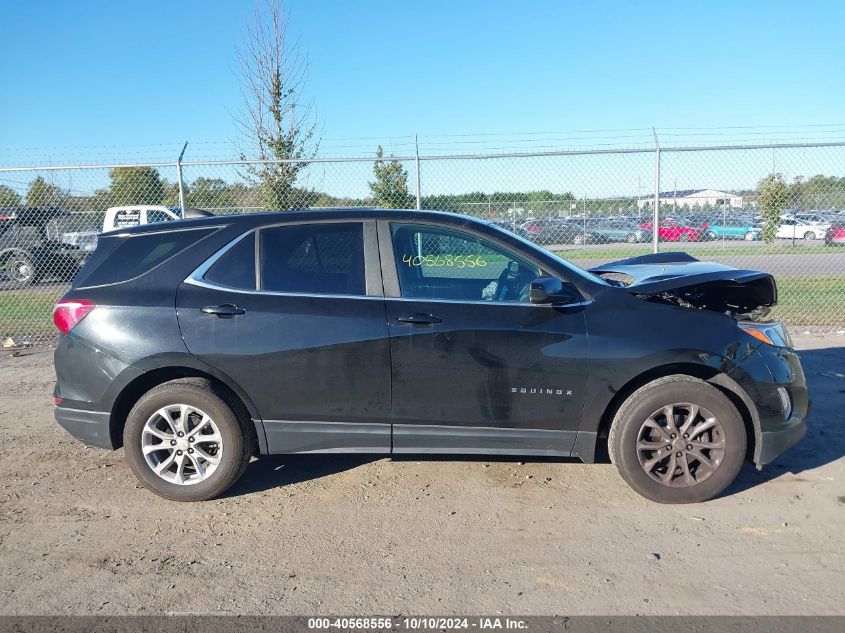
(343, 535)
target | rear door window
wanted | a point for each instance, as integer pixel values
(236, 267)
(319, 258)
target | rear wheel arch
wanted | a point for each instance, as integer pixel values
(727, 385)
(136, 388)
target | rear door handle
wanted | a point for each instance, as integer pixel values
(420, 319)
(225, 311)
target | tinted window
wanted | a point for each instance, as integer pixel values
(438, 263)
(236, 267)
(137, 254)
(158, 216)
(314, 258)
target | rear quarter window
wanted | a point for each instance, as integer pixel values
(121, 258)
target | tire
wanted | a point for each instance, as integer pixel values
(631, 238)
(579, 240)
(646, 403)
(809, 235)
(749, 237)
(683, 237)
(228, 421)
(711, 235)
(19, 269)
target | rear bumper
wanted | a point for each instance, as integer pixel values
(91, 427)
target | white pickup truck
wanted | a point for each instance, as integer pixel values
(134, 215)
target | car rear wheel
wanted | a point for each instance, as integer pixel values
(683, 237)
(711, 235)
(579, 239)
(678, 439)
(749, 236)
(809, 235)
(19, 269)
(631, 238)
(187, 440)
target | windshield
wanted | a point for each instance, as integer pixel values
(535, 248)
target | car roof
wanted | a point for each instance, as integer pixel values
(303, 215)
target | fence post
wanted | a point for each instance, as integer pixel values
(655, 223)
(417, 144)
(181, 184)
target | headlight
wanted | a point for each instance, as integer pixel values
(771, 333)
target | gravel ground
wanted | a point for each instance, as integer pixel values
(330, 534)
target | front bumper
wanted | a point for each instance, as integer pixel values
(768, 370)
(91, 427)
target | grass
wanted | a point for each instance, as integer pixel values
(702, 250)
(27, 313)
(811, 301)
(802, 301)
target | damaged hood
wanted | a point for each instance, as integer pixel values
(684, 280)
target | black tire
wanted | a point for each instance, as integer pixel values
(19, 269)
(228, 415)
(711, 235)
(641, 405)
(809, 235)
(579, 240)
(683, 237)
(631, 238)
(749, 237)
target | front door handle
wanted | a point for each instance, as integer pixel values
(225, 311)
(420, 319)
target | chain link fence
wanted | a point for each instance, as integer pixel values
(589, 206)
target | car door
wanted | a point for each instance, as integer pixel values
(476, 367)
(294, 315)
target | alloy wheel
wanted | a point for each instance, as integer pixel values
(681, 445)
(181, 444)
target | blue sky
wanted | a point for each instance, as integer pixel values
(87, 74)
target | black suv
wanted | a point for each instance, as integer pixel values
(199, 344)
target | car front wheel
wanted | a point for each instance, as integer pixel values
(187, 440)
(678, 439)
(809, 235)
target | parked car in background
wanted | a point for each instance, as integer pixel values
(564, 231)
(676, 230)
(796, 228)
(619, 231)
(732, 228)
(33, 247)
(202, 343)
(835, 235)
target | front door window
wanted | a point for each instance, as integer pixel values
(439, 263)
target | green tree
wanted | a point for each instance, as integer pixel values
(210, 193)
(44, 194)
(9, 197)
(277, 124)
(390, 188)
(772, 199)
(136, 185)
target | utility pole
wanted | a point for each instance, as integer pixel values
(181, 184)
(655, 223)
(419, 198)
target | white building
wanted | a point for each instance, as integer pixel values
(693, 198)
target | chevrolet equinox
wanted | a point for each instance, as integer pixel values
(200, 343)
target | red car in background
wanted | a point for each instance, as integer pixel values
(835, 235)
(677, 230)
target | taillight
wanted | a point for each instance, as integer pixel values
(67, 313)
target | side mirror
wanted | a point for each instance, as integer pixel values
(551, 290)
